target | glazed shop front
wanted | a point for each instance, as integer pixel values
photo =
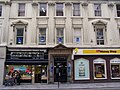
(31, 63)
(96, 65)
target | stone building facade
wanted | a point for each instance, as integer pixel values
(75, 40)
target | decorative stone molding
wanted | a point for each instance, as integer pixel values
(8, 3)
(110, 4)
(34, 4)
(19, 22)
(85, 4)
(68, 4)
(51, 3)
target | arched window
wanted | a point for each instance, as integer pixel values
(81, 69)
(99, 66)
(115, 68)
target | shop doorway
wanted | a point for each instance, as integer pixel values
(60, 69)
(41, 74)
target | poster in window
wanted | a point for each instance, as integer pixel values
(81, 69)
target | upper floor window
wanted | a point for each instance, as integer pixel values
(42, 36)
(59, 9)
(0, 10)
(60, 35)
(20, 35)
(43, 9)
(100, 36)
(97, 9)
(118, 10)
(21, 9)
(76, 9)
(77, 35)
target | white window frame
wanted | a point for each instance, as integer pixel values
(23, 34)
(46, 9)
(73, 9)
(104, 33)
(63, 35)
(99, 61)
(114, 61)
(45, 36)
(19, 10)
(63, 9)
(80, 36)
(100, 11)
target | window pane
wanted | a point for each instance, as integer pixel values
(19, 35)
(76, 9)
(59, 9)
(21, 9)
(97, 8)
(77, 35)
(115, 71)
(81, 69)
(0, 10)
(43, 9)
(118, 10)
(60, 35)
(19, 40)
(115, 68)
(99, 70)
(42, 36)
(20, 31)
(100, 36)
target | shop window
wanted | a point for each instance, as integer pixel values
(77, 35)
(115, 68)
(118, 10)
(21, 9)
(60, 35)
(25, 71)
(59, 9)
(43, 9)
(76, 9)
(42, 36)
(97, 9)
(99, 69)
(81, 69)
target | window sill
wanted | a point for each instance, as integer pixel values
(95, 17)
(59, 17)
(1, 17)
(42, 17)
(117, 17)
(76, 17)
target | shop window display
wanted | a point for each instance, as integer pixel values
(81, 69)
(99, 69)
(24, 70)
(115, 68)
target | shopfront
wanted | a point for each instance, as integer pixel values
(31, 63)
(96, 65)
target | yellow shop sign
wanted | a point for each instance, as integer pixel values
(101, 51)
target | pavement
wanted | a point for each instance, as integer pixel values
(65, 86)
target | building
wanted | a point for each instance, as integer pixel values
(78, 39)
